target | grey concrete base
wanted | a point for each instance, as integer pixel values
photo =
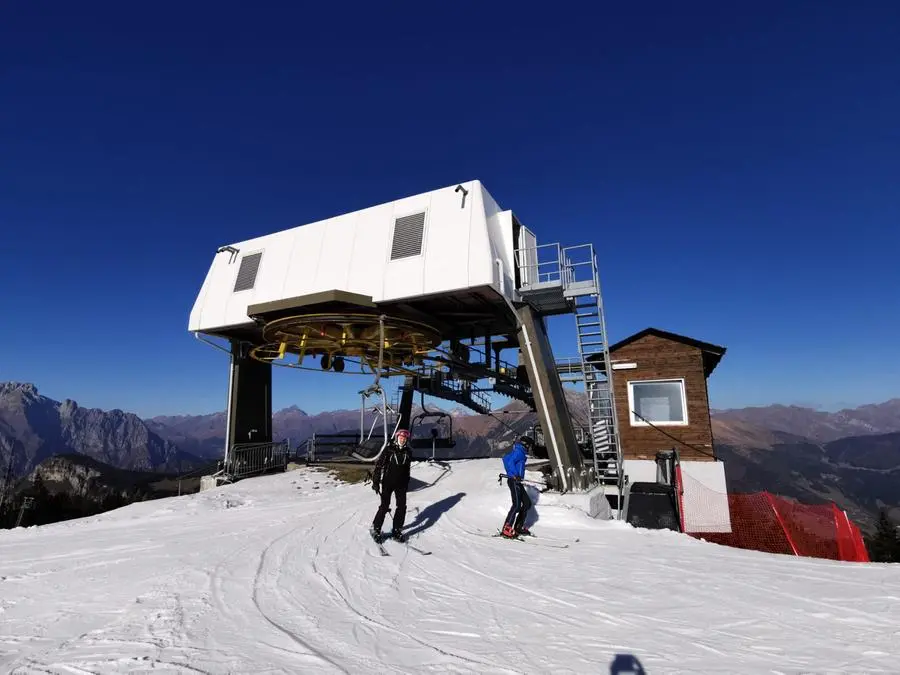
(593, 502)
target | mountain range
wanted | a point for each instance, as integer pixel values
(34, 427)
(851, 457)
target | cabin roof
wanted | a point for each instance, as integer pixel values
(712, 354)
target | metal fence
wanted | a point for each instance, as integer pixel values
(254, 459)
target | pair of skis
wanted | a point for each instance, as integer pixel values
(529, 538)
(532, 539)
(384, 551)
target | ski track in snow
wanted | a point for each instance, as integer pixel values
(279, 575)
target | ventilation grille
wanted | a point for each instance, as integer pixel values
(408, 232)
(246, 275)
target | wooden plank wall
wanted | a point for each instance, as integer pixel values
(658, 358)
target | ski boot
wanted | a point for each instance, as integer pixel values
(508, 532)
(376, 535)
(524, 532)
(397, 535)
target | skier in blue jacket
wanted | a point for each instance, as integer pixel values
(514, 464)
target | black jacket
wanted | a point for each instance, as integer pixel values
(393, 465)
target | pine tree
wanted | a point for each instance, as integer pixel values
(884, 546)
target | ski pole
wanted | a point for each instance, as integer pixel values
(532, 482)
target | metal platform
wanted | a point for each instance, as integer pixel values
(553, 276)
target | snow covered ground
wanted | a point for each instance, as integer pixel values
(279, 575)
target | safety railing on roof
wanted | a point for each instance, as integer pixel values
(580, 264)
(539, 264)
(572, 267)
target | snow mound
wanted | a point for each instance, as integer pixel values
(278, 575)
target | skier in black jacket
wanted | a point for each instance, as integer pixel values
(391, 476)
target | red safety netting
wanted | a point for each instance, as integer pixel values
(765, 522)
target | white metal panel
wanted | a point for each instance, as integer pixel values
(447, 244)
(276, 257)
(238, 301)
(481, 257)
(223, 274)
(335, 255)
(492, 224)
(304, 261)
(501, 231)
(460, 245)
(404, 278)
(369, 258)
(195, 320)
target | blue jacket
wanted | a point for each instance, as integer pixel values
(514, 461)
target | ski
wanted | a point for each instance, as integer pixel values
(552, 540)
(545, 544)
(531, 539)
(410, 546)
(380, 546)
(418, 550)
(537, 541)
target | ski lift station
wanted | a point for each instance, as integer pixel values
(433, 290)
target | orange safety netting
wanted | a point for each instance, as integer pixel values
(765, 522)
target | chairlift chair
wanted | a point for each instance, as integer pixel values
(440, 436)
(370, 449)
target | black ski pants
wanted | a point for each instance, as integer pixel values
(396, 485)
(521, 502)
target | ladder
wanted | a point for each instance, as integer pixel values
(593, 348)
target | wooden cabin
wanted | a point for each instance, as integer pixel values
(661, 394)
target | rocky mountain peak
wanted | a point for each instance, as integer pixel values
(20, 391)
(25, 387)
(34, 427)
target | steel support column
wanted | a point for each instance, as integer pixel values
(549, 398)
(249, 415)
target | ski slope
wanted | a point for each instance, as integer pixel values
(278, 575)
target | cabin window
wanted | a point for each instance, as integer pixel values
(408, 234)
(657, 402)
(246, 276)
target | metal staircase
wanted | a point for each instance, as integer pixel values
(593, 349)
(562, 280)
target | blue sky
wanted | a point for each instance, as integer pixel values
(736, 165)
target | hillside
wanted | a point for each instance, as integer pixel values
(861, 473)
(817, 425)
(74, 486)
(82, 475)
(34, 427)
(277, 574)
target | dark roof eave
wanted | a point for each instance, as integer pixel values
(712, 354)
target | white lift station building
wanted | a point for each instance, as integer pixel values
(431, 288)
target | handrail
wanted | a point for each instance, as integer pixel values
(523, 263)
(563, 267)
